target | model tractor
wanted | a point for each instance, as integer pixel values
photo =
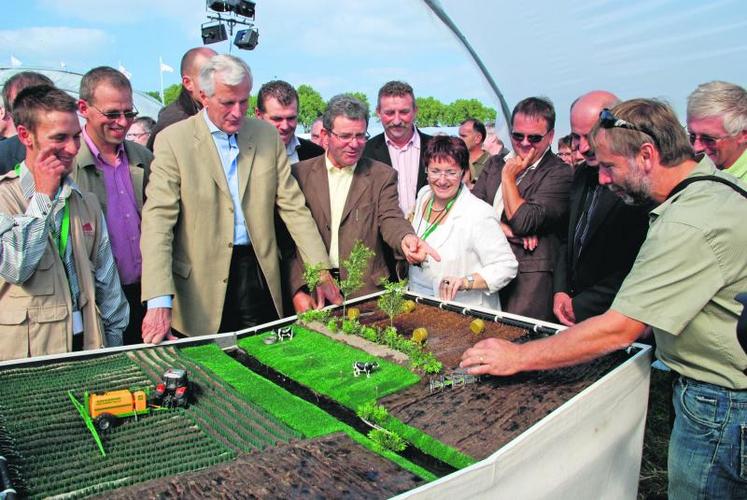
(173, 391)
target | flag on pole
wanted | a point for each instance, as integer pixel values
(165, 67)
(124, 71)
(15, 62)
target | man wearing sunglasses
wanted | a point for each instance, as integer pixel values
(112, 168)
(529, 189)
(717, 125)
(604, 233)
(683, 284)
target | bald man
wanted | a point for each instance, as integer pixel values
(604, 234)
(188, 103)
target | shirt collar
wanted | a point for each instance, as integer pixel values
(95, 152)
(414, 141)
(331, 167)
(704, 167)
(739, 167)
(28, 186)
(511, 154)
(292, 145)
(215, 131)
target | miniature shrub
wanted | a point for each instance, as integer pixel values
(332, 325)
(388, 440)
(369, 333)
(350, 326)
(372, 412)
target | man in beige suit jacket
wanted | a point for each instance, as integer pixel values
(353, 198)
(208, 235)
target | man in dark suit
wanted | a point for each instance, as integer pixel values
(401, 145)
(353, 198)
(604, 234)
(12, 152)
(188, 103)
(529, 188)
(277, 104)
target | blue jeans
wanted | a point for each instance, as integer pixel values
(708, 447)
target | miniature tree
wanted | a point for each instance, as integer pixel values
(312, 276)
(393, 299)
(355, 266)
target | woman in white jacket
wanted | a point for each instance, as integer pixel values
(476, 260)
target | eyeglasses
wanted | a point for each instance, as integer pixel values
(351, 137)
(132, 135)
(532, 138)
(706, 140)
(564, 154)
(451, 175)
(113, 115)
(609, 120)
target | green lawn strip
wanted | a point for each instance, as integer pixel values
(326, 366)
(429, 444)
(295, 412)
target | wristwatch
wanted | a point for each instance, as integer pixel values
(470, 281)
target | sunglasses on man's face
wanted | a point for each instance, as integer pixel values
(114, 115)
(532, 138)
(608, 120)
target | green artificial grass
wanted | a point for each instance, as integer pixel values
(295, 412)
(429, 444)
(326, 366)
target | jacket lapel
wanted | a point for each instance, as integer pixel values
(318, 187)
(247, 150)
(207, 154)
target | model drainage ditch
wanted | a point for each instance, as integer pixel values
(340, 412)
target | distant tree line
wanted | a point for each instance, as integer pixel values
(431, 111)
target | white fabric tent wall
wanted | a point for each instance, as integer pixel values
(637, 48)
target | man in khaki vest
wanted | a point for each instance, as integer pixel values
(59, 287)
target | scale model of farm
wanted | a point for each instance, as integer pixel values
(365, 401)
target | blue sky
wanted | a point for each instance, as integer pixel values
(560, 49)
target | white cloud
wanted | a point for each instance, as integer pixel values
(47, 46)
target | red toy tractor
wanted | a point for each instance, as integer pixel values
(173, 391)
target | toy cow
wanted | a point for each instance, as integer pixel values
(284, 333)
(360, 367)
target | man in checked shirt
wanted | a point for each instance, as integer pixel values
(59, 287)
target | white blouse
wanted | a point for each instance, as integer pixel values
(470, 240)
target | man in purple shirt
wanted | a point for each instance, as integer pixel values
(112, 168)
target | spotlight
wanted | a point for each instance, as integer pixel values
(247, 39)
(243, 8)
(213, 33)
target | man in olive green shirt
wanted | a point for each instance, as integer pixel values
(473, 133)
(717, 125)
(683, 284)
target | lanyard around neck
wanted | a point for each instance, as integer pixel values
(64, 234)
(432, 226)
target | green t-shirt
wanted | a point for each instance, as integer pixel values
(739, 168)
(684, 280)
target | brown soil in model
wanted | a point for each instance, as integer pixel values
(329, 467)
(479, 418)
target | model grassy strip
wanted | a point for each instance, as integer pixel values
(265, 429)
(295, 412)
(326, 366)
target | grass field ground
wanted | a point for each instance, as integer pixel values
(326, 366)
(295, 412)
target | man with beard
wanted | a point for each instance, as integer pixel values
(683, 284)
(59, 287)
(604, 233)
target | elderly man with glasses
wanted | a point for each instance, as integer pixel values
(529, 191)
(354, 199)
(717, 125)
(683, 284)
(113, 168)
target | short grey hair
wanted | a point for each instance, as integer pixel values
(230, 69)
(720, 99)
(347, 106)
